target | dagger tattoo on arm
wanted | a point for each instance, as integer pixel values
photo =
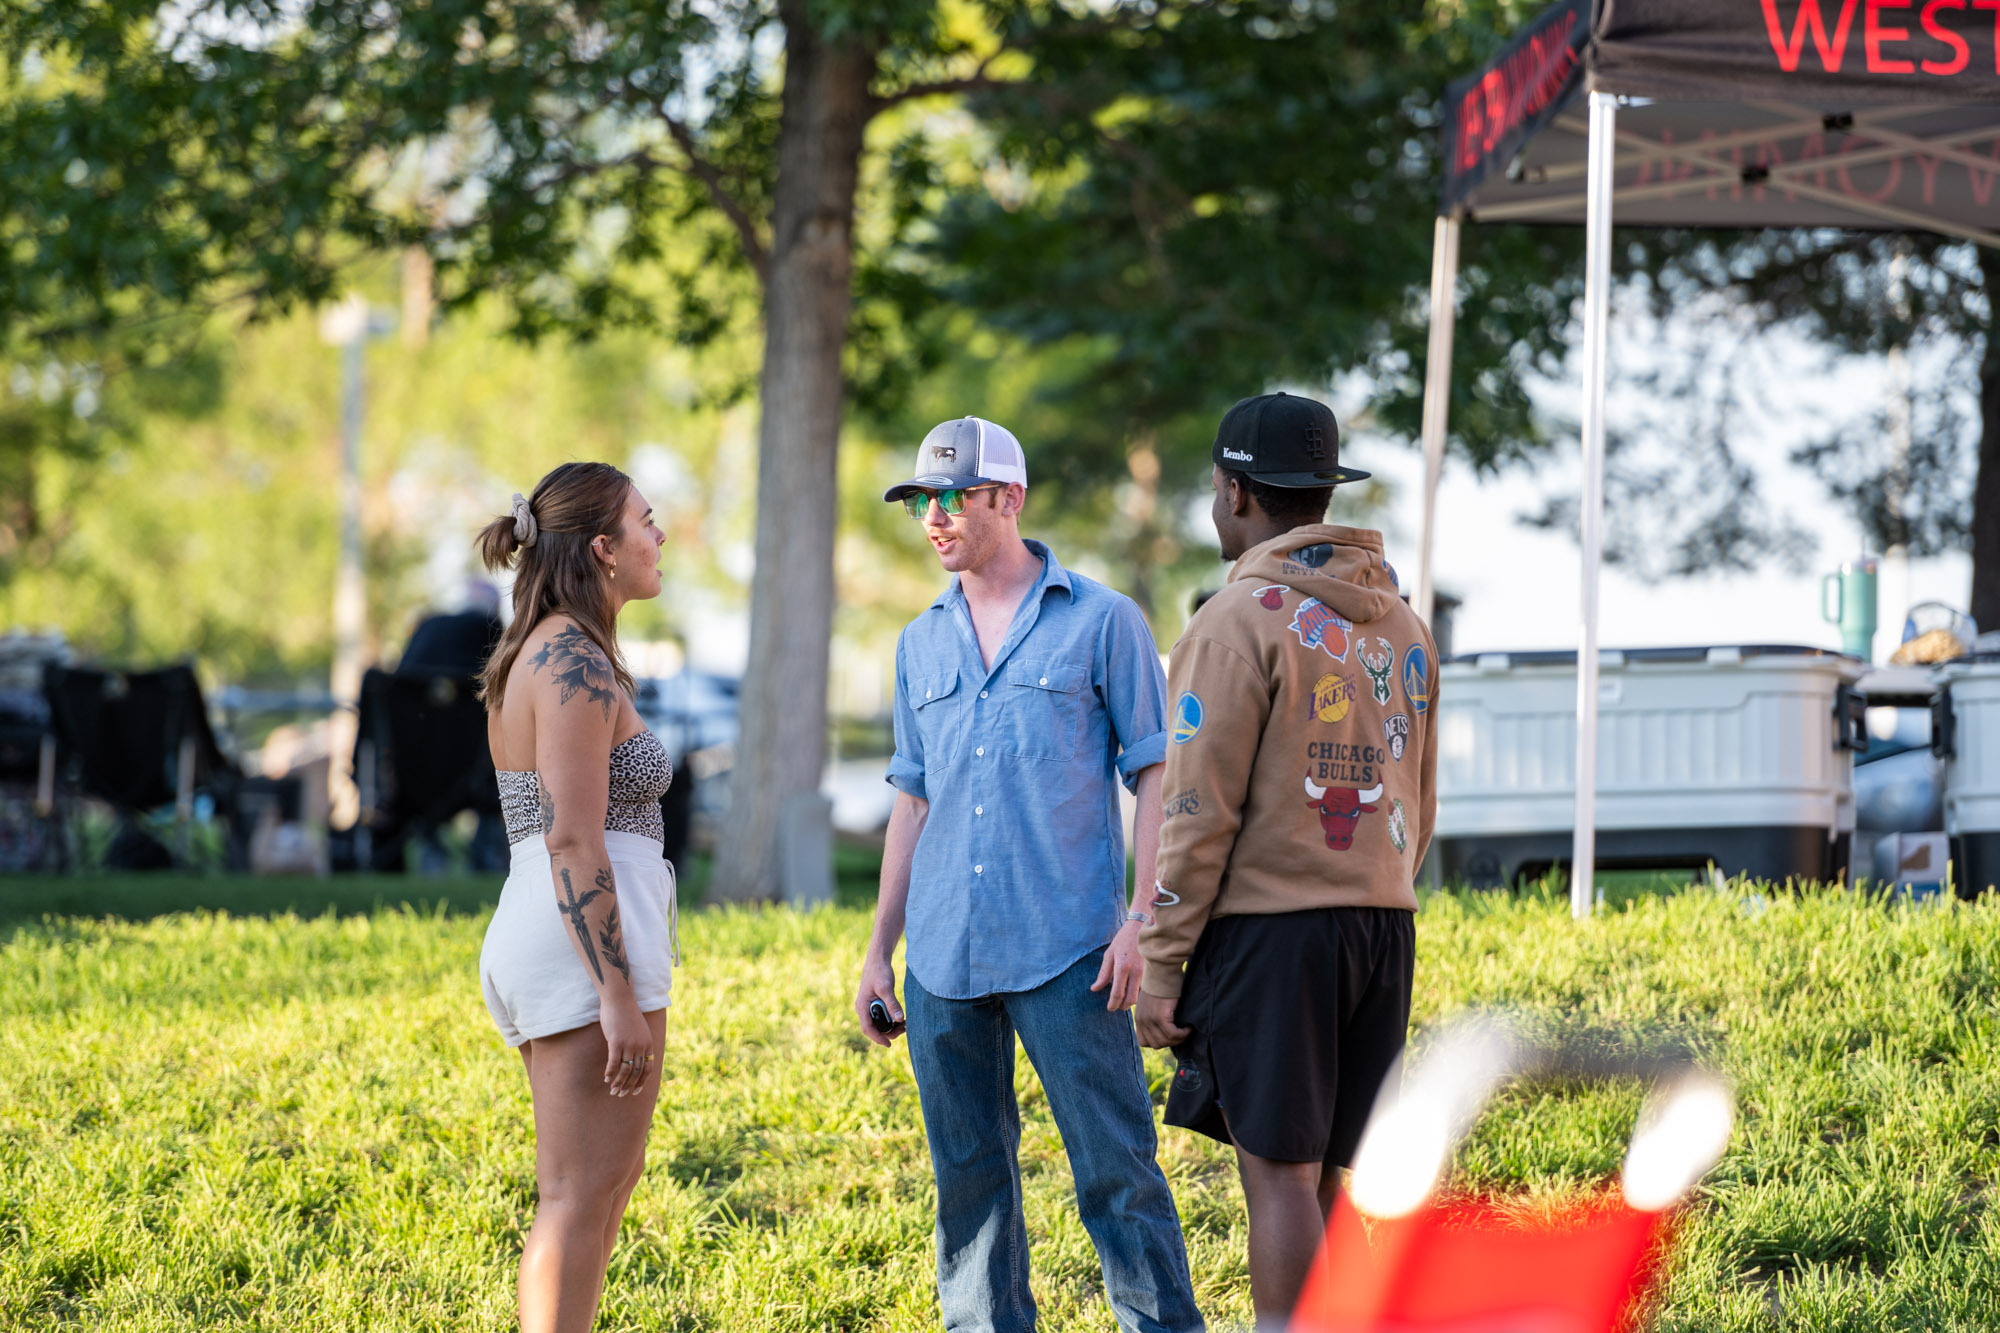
(609, 934)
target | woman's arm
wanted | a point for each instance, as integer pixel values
(576, 715)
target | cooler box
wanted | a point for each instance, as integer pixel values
(1740, 756)
(1966, 733)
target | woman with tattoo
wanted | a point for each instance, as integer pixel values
(578, 961)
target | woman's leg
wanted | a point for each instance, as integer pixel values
(589, 1150)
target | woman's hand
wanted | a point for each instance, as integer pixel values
(628, 1041)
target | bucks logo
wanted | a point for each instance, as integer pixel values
(1379, 668)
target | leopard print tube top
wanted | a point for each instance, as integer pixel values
(640, 776)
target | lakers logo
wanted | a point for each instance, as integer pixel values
(1332, 697)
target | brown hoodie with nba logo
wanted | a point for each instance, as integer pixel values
(1302, 757)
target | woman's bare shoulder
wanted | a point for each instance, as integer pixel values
(564, 664)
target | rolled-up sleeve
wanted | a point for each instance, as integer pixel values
(906, 766)
(1134, 689)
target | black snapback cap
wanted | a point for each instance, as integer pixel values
(1281, 439)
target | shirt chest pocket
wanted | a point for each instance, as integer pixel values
(1044, 709)
(938, 704)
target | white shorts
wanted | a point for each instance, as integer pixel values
(536, 985)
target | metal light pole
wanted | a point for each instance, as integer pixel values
(1596, 327)
(348, 326)
(1437, 398)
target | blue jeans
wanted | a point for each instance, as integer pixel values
(1088, 1060)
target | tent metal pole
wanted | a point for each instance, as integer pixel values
(1596, 321)
(1437, 397)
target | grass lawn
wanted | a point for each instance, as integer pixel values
(257, 1121)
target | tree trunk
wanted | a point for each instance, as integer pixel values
(781, 746)
(1986, 486)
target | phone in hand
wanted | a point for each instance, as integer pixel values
(878, 1014)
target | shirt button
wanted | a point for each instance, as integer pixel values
(979, 870)
(981, 752)
(930, 694)
(982, 694)
(978, 809)
(1045, 680)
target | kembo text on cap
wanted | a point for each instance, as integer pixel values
(1237, 456)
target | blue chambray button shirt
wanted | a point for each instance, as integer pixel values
(1020, 869)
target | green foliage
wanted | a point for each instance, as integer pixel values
(204, 525)
(222, 1123)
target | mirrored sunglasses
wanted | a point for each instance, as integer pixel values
(918, 503)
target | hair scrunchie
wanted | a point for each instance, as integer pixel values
(525, 530)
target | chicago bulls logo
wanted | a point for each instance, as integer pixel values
(1340, 809)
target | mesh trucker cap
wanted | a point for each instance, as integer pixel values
(967, 452)
(1282, 440)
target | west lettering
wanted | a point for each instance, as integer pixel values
(1874, 34)
(1831, 50)
(1993, 5)
(1938, 32)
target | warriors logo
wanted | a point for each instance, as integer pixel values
(1272, 596)
(1378, 668)
(1399, 825)
(1416, 678)
(1332, 697)
(1396, 731)
(1187, 718)
(1320, 626)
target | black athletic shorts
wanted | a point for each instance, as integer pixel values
(1296, 1018)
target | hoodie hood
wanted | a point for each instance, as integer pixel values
(1342, 567)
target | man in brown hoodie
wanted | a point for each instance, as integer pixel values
(1300, 796)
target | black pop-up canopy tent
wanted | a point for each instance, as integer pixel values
(1867, 114)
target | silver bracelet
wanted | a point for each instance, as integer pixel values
(1135, 914)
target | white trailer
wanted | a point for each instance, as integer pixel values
(1965, 732)
(1740, 757)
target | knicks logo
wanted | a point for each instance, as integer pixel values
(1320, 626)
(1332, 697)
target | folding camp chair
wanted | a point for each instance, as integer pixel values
(1396, 1259)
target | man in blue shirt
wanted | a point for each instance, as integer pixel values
(1022, 695)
